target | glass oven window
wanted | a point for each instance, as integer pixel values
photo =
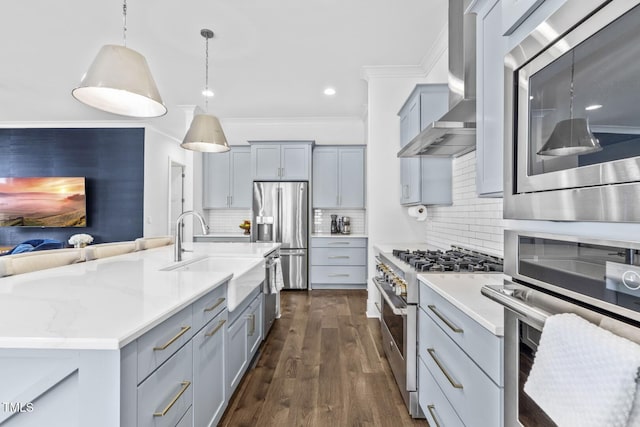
(598, 81)
(395, 324)
(596, 271)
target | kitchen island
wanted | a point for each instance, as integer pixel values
(92, 343)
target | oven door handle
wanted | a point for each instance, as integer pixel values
(400, 311)
(509, 298)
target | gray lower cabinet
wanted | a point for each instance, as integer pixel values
(338, 177)
(209, 366)
(460, 366)
(244, 338)
(338, 262)
(425, 180)
(227, 183)
(280, 160)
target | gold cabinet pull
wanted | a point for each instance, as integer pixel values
(455, 384)
(213, 307)
(432, 411)
(216, 329)
(183, 331)
(252, 317)
(446, 321)
(185, 386)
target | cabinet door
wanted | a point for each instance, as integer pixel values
(325, 177)
(237, 352)
(216, 180)
(410, 168)
(265, 161)
(351, 177)
(491, 50)
(255, 318)
(240, 185)
(294, 161)
(436, 181)
(209, 384)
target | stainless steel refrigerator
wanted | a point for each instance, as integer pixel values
(281, 214)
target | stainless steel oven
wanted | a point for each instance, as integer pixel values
(572, 116)
(596, 279)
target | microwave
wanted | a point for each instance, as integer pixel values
(572, 116)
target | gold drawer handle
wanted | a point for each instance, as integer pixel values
(213, 307)
(212, 333)
(183, 331)
(185, 386)
(455, 384)
(446, 321)
(432, 411)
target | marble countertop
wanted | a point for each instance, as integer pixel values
(463, 291)
(110, 302)
(353, 235)
(234, 234)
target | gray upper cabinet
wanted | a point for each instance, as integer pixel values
(513, 13)
(227, 182)
(280, 161)
(491, 48)
(338, 177)
(424, 180)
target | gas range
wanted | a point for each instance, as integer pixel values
(456, 259)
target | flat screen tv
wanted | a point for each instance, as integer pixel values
(43, 202)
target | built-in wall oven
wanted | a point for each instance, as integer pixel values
(572, 123)
(596, 279)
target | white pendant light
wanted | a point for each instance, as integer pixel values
(205, 133)
(119, 81)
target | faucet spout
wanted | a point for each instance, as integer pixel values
(177, 254)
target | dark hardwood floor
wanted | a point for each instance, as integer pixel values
(321, 365)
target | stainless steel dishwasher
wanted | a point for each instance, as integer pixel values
(270, 298)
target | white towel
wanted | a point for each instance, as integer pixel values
(277, 281)
(583, 375)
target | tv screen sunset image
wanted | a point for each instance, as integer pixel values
(43, 202)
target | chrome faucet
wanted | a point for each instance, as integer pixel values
(177, 256)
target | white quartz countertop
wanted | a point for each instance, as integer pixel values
(234, 234)
(110, 302)
(463, 291)
(329, 235)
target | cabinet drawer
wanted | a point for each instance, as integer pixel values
(480, 344)
(187, 419)
(161, 342)
(338, 242)
(209, 306)
(167, 394)
(469, 390)
(433, 402)
(324, 274)
(339, 256)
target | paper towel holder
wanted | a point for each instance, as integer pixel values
(418, 212)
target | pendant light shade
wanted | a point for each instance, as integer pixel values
(119, 81)
(571, 137)
(205, 134)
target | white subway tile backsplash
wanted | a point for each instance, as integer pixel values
(471, 221)
(226, 220)
(322, 220)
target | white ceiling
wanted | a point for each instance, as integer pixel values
(268, 59)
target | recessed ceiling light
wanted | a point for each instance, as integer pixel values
(208, 92)
(593, 107)
(329, 91)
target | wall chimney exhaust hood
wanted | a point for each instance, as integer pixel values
(454, 134)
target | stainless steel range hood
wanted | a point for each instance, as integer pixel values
(454, 134)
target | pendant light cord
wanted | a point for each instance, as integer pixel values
(206, 76)
(124, 22)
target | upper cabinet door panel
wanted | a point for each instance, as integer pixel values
(265, 161)
(240, 178)
(325, 177)
(216, 180)
(294, 161)
(351, 174)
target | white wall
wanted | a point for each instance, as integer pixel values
(387, 221)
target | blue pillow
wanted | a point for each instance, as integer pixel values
(22, 247)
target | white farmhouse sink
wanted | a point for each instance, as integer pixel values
(248, 273)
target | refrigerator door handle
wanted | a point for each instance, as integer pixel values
(279, 213)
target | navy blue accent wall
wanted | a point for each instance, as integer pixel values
(111, 160)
